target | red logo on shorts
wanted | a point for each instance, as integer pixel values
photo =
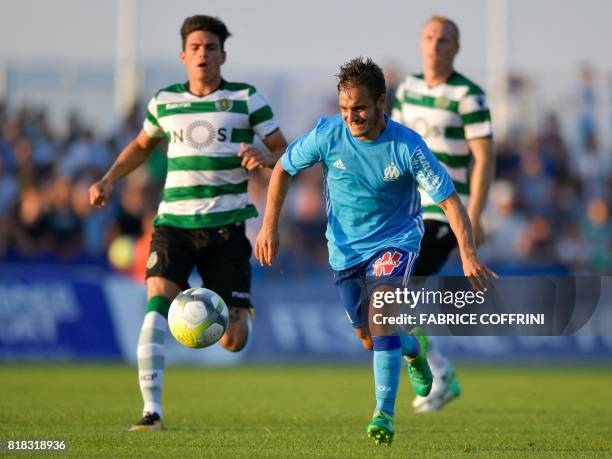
(387, 263)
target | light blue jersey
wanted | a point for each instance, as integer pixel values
(370, 187)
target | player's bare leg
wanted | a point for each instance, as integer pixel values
(238, 330)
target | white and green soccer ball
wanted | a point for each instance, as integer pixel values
(198, 317)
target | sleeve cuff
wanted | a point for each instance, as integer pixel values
(287, 166)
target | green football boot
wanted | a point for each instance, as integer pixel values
(381, 428)
(418, 368)
(445, 390)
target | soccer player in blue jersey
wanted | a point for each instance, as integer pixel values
(372, 167)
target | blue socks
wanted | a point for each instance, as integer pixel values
(410, 346)
(387, 368)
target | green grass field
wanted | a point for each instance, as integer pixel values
(307, 412)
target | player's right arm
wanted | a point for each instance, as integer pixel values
(267, 242)
(478, 131)
(132, 156)
(301, 154)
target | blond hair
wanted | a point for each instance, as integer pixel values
(446, 22)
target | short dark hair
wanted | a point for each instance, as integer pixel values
(204, 23)
(362, 72)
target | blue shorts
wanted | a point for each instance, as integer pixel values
(389, 266)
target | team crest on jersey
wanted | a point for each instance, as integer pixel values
(386, 264)
(152, 261)
(391, 173)
(200, 134)
(442, 102)
(223, 105)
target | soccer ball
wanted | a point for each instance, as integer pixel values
(198, 317)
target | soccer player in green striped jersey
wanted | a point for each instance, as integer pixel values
(451, 114)
(210, 125)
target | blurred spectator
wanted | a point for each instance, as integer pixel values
(504, 224)
(75, 128)
(587, 129)
(9, 188)
(22, 151)
(134, 200)
(519, 107)
(63, 222)
(534, 183)
(128, 129)
(597, 230)
(85, 155)
(31, 233)
(536, 242)
(94, 221)
(507, 161)
(306, 219)
(552, 147)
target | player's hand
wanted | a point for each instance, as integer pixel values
(477, 273)
(252, 158)
(99, 193)
(266, 245)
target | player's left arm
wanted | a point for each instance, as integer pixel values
(481, 177)
(435, 180)
(460, 224)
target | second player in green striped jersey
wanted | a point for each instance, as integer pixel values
(447, 116)
(452, 115)
(206, 185)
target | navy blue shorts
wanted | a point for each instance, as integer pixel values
(389, 266)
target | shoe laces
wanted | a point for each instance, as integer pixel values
(382, 416)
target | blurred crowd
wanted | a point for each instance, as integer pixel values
(44, 180)
(549, 204)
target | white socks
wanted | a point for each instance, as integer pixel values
(151, 360)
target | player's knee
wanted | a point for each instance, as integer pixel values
(367, 343)
(364, 336)
(157, 285)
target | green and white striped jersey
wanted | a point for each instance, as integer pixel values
(206, 185)
(446, 116)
